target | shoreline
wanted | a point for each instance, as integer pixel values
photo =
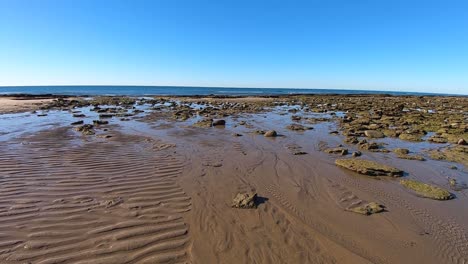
(131, 179)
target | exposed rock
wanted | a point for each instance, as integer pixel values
(106, 115)
(219, 122)
(410, 137)
(296, 118)
(100, 122)
(391, 133)
(338, 150)
(271, 133)
(77, 123)
(368, 209)
(368, 167)
(85, 129)
(411, 157)
(401, 151)
(368, 146)
(427, 190)
(437, 139)
(245, 200)
(374, 134)
(299, 152)
(351, 140)
(297, 127)
(203, 123)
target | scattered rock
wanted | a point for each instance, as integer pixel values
(298, 127)
(203, 123)
(77, 123)
(427, 190)
(245, 200)
(79, 115)
(339, 150)
(368, 209)
(299, 152)
(219, 122)
(411, 157)
(356, 154)
(410, 137)
(85, 129)
(296, 118)
(373, 134)
(437, 139)
(100, 122)
(106, 115)
(237, 135)
(271, 133)
(401, 151)
(368, 167)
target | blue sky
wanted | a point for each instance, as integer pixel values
(375, 44)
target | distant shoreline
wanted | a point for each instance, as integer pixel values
(129, 90)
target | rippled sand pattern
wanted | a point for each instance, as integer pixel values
(103, 202)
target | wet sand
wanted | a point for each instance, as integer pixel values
(154, 187)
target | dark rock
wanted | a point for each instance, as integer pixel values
(77, 123)
(219, 122)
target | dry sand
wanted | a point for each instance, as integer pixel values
(159, 191)
(15, 105)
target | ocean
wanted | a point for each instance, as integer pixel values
(180, 91)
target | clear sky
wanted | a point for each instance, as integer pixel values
(376, 44)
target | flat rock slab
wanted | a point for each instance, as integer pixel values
(245, 200)
(368, 167)
(427, 190)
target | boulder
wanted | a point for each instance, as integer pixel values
(368, 167)
(461, 142)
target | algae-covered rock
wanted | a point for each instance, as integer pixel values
(245, 200)
(427, 190)
(368, 167)
(367, 209)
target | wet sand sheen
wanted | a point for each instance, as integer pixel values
(160, 192)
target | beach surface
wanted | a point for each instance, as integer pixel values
(152, 180)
